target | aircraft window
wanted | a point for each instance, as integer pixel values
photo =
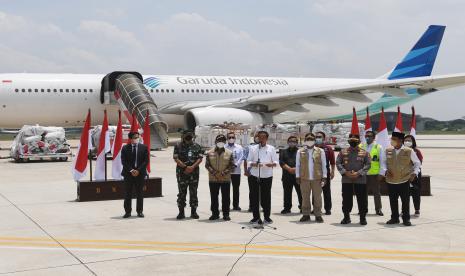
(67, 90)
(23, 90)
(182, 90)
(172, 90)
(61, 90)
(16, 90)
(230, 90)
(156, 90)
(207, 90)
(79, 90)
(261, 90)
(73, 90)
(42, 90)
(162, 90)
(221, 90)
(29, 90)
(36, 90)
(216, 90)
(54, 90)
(48, 90)
(85, 90)
(201, 90)
(271, 91)
(90, 90)
(197, 90)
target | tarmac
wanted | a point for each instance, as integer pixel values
(44, 231)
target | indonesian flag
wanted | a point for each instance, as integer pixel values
(117, 166)
(382, 138)
(367, 126)
(103, 148)
(354, 129)
(134, 126)
(146, 137)
(398, 127)
(85, 145)
(413, 124)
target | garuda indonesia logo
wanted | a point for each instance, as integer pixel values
(152, 82)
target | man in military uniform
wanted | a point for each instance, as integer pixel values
(353, 163)
(219, 164)
(375, 150)
(400, 165)
(188, 156)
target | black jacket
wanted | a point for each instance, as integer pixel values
(128, 160)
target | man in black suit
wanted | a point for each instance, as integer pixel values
(134, 157)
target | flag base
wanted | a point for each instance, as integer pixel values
(112, 189)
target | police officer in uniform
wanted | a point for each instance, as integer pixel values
(219, 164)
(287, 159)
(353, 163)
(188, 156)
(400, 165)
(375, 150)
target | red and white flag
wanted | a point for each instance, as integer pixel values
(367, 127)
(117, 166)
(354, 129)
(103, 148)
(382, 137)
(85, 145)
(413, 124)
(134, 126)
(146, 138)
(398, 127)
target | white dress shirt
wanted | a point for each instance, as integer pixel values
(266, 155)
(238, 154)
(310, 163)
(413, 156)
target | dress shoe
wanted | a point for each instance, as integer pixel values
(379, 213)
(194, 214)
(417, 213)
(328, 213)
(249, 210)
(319, 219)
(181, 214)
(226, 218)
(285, 211)
(127, 215)
(363, 221)
(268, 220)
(346, 220)
(214, 217)
(141, 215)
(237, 208)
(393, 221)
(407, 223)
(305, 218)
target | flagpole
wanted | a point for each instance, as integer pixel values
(90, 152)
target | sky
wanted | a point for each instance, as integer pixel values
(294, 38)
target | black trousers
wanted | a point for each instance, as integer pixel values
(261, 194)
(415, 192)
(215, 188)
(360, 190)
(289, 183)
(327, 195)
(249, 181)
(402, 191)
(236, 183)
(136, 183)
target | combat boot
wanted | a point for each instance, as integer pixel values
(181, 214)
(194, 214)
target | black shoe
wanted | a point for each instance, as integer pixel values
(254, 220)
(393, 221)
(346, 220)
(319, 219)
(181, 214)
(268, 220)
(312, 212)
(249, 210)
(363, 221)
(407, 223)
(237, 208)
(379, 213)
(226, 218)
(127, 215)
(328, 213)
(141, 215)
(417, 213)
(214, 217)
(285, 211)
(300, 211)
(194, 214)
(305, 218)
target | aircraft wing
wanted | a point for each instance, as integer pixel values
(357, 92)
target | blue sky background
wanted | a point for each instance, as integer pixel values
(320, 38)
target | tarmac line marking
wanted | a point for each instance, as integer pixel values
(150, 248)
(192, 246)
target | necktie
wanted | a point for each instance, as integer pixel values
(134, 155)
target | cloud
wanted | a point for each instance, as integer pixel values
(272, 20)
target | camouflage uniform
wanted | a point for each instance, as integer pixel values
(188, 154)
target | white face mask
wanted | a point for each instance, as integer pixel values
(220, 145)
(408, 144)
(309, 143)
(232, 140)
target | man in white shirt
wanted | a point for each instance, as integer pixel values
(311, 173)
(238, 154)
(262, 159)
(400, 165)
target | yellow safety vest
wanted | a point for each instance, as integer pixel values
(374, 155)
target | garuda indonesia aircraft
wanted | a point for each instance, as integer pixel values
(187, 101)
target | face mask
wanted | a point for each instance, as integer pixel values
(309, 143)
(231, 140)
(319, 141)
(292, 144)
(393, 143)
(353, 143)
(135, 141)
(188, 138)
(220, 145)
(369, 140)
(408, 144)
(256, 140)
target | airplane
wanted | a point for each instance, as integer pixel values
(189, 101)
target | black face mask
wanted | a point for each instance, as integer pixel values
(369, 139)
(353, 144)
(188, 138)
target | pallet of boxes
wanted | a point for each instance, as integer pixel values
(205, 135)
